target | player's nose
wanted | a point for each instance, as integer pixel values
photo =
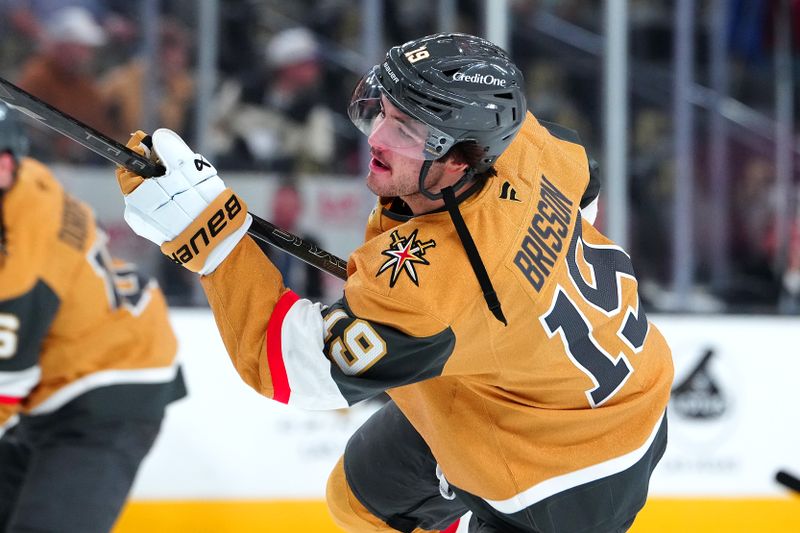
(378, 137)
(376, 140)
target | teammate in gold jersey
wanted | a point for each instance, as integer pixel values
(87, 356)
(528, 389)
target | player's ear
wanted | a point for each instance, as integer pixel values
(453, 166)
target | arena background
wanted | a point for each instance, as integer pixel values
(689, 107)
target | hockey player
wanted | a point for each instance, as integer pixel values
(527, 385)
(87, 356)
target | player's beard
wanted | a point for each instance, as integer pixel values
(387, 186)
(402, 180)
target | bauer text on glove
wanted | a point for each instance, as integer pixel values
(187, 211)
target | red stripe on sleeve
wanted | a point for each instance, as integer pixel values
(277, 370)
(10, 400)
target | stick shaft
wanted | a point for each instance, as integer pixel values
(127, 158)
(788, 480)
(77, 130)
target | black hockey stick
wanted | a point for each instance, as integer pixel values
(124, 156)
(788, 480)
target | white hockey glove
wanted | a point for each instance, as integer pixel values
(187, 211)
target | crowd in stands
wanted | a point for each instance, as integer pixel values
(284, 79)
(278, 107)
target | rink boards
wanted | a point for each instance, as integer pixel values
(231, 460)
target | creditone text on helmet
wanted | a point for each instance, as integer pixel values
(485, 79)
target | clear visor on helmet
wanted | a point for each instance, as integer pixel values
(388, 127)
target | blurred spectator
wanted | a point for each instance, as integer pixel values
(18, 35)
(273, 120)
(61, 74)
(651, 192)
(238, 52)
(124, 87)
(755, 204)
(754, 243)
(287, 210)
(28, 19)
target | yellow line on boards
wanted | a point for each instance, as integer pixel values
(226, 517)
(660, 515)
(772, 515)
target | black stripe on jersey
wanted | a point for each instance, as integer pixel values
(565, 134)
(35, 311)
(561, 132)
(139, 401)
(593, 188)
(406, 360)
(607, 504)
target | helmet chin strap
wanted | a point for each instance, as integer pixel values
(423, 173)
(475, 261)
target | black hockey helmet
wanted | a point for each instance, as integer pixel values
(12, 135)
(459, 87)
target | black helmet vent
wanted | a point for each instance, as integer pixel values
(434, 105)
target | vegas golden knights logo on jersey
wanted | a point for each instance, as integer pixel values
(403, 254)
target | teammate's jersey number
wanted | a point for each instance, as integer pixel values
(9, 325)
(357, 348)
(608, 265)
(124, 287)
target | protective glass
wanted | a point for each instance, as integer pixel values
(386, 125)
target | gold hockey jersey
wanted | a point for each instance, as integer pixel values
(573, 389)
(76, 328)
